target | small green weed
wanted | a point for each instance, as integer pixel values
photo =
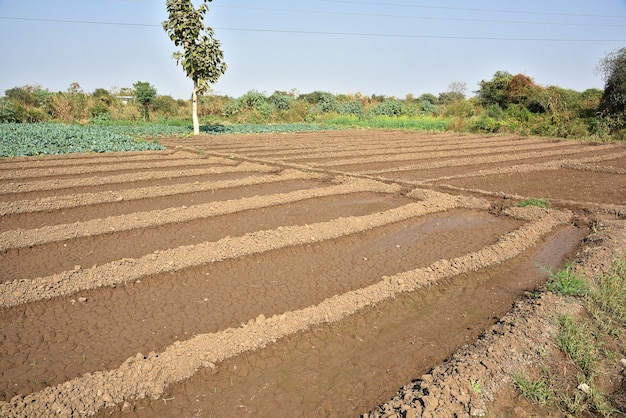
(535, 390)
(539, 202)
(476, 386)
(565, 283)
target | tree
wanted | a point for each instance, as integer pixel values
(493, 92)
(201, 58)
(613, 67)
(145, 94)
(456, 91)
(520, 89)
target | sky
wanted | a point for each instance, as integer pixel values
(383, 47)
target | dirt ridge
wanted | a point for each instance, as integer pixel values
(142, 376)
(30, 237)
(17, 292)
(63, 202)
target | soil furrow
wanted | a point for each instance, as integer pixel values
(22, 291)
(399, 148)
(394, 168)
(288, 289)
(82, 213)
(349, 367)
(33, 237)
(137, 176)
(87, 249)
(64, 202)
(66, 160)
(90, 169)
(149, 375)
(437, 155)
(209, 298)
(566, 184)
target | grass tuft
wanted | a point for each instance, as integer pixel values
(538, 202)
(564, 282)
(535, 390)
(576, 340)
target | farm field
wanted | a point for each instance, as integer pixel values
(293, 274)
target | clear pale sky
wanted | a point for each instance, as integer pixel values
(384, 47)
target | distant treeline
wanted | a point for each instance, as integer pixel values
(504, 104)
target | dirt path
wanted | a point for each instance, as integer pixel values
(315, 273)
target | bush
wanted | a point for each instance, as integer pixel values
(390, 107)
(280, 101)
(428, 108)
(460, 108)
(354, 107)
(484, 124)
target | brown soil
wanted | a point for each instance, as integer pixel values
(291, 275)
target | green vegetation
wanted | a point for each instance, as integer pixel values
(20, 139)
(421, 123)
(539, 202)
(591, 343)
(49, 138)
(576, 340)
(535, 390)
(201, 58)
(565, 283)
(476, 387)
(504, 104)
(145, 94)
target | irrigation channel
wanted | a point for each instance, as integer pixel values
(310, 274)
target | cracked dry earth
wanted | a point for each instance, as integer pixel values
(341, 273)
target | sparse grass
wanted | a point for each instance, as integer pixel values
(565, 283)
(538, 202)
(576, 340)
(572, 385)
(535, 390)
(606, 300)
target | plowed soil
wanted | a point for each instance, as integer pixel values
(310, 274)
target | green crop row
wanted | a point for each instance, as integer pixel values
(23, 139)
(19, 139)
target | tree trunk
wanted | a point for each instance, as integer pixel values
(194, 107)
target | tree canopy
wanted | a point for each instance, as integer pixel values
(145, 94)
(493, 92)
(613, 67)
(201, 57)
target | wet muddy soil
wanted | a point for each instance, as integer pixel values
(277, 275)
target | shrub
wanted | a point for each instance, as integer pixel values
(460, 108)
(390, 107)
(428, 108)
(280, 101)
(353, 107)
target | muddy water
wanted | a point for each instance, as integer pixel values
(348, 368)
(47, 259)
(102, 210)
(49, 342)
